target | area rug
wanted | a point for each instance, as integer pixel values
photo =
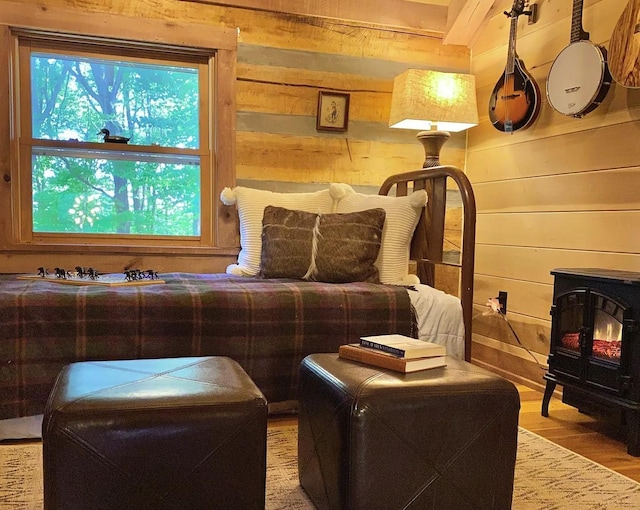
(548, 477)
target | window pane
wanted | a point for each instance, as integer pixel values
(116, 195)
(73, 98)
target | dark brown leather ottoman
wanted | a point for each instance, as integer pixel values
(180, 433)
(438, 439)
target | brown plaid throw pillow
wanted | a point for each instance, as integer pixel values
(334, 248)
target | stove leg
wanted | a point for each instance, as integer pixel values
(551, 386)
(633, 428)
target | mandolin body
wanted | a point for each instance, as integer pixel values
(624, 47)
(515, 100)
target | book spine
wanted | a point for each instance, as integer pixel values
(379, 361)
(384, 348)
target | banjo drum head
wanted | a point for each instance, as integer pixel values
(575, 78)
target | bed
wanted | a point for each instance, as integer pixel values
(266, 324)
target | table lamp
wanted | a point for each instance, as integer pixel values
(422, 98)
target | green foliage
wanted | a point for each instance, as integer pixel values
(114, 191)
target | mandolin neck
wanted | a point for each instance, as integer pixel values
(577, 32)
(511, 54)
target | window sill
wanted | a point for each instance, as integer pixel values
(118, 250)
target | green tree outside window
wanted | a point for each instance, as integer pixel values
(113, 190)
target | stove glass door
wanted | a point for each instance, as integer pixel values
(571, 321)
(607, 329)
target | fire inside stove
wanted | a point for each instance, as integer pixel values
(571, 341)
(607, 337)
(608, 349)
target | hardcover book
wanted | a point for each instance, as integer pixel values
(355, 352)
(403, 346)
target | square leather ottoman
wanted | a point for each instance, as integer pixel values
(443, 438)
(155, 434)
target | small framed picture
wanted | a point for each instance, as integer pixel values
(333, 111)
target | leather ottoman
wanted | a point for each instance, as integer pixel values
(443, 438)
(155, 434)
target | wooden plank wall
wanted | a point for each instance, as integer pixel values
(283, 61)
(282, 66)
(563, 193)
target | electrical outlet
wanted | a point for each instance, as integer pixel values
(532, 13)
(502, 299)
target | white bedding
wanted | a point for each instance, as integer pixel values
(439, 318)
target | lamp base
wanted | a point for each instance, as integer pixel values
(432, 141)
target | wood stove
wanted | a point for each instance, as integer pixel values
(595, 344)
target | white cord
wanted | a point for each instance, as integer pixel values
(494, 308)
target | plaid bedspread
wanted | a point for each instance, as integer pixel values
(267, 326)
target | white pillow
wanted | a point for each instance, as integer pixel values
(402, 215)
(251, 203)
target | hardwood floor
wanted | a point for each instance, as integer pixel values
(595, 439)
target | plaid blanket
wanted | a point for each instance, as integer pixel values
(267, 326)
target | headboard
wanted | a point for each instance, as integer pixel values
(427, 246)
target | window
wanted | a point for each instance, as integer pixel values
(78, 189)
(66, 193)
(112, 142)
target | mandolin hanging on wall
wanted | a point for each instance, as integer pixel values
(515, 100)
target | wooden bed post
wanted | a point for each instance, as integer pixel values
(427, 246)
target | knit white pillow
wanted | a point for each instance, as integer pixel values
(402, 215)
(251, 203)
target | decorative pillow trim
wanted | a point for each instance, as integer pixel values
(313, 268)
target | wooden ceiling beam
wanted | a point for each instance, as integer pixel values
(458, 23)
(399, 14)
(465, 19)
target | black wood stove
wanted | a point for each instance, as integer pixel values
(595, 344)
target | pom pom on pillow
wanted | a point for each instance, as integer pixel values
(339, 190)
(411, 279)
(418, 199)
(234, 269)
(228, 196)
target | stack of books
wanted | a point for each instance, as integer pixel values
(395, 352)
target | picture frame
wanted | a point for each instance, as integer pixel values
(333, 111)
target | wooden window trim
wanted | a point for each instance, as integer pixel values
(218, 44)
(62, 46)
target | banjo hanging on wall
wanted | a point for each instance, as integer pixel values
(515, 100)
(579, 77)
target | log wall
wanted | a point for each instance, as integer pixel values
(283, 62)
